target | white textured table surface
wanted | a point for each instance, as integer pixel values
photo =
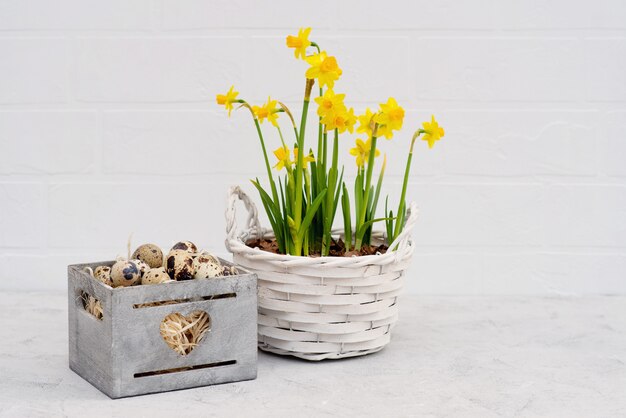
(450, 356)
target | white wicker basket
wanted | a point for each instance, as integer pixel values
(321, 307)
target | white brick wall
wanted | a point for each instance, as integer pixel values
(108, 126)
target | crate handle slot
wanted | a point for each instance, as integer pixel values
(185, 369)
(90, 304)
(177, 301)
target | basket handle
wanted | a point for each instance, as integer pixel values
(252, 222)
(402, 240)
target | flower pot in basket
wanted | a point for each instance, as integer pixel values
(320, 308)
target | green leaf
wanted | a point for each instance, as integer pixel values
(369, 223)
(307, 186)
(390, 238)
(377, 194)
(285, 231)
(273, 214)
(266, 199)
(314, 178)
(310, 214)
(370, 199)
(347, 221)
(337, 193)
(367, 233)
(358, 196)
(400, 221)
(389, 222)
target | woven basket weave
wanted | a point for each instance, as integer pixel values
(320, 308)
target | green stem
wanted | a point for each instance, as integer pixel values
(295, 130)
(316, 46)
(307, 191)
(320, 133)
(368, 185)
(336, 150)
(267, 162)
(402, 204)
(325, 150)
(347, 222)
(280, 133)
(367, 238)
(317, 231)
(299, 165)
(330, 196)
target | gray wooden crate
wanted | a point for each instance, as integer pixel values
(123, 354)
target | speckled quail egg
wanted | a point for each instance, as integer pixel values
(179, 265)
(206, 266)
(103, 274)
(142, 266)
(125, 273)
(188, 246)
(229, 271)
(155, 276)
(149, 254)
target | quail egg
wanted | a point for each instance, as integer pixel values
(125, 273)
(188, 246)
(149, 254)
(179, 265)
(229, 271)
(103, 274)
(206, 266)
(142, 266)
(155, 276)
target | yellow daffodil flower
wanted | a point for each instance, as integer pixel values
(306, 159)
(389, 118)
(300, 42)
(365, 123)
(284, 161)
(432, 132)
(228, 99)
(282, 154)
(362, 151)
(323, 68)
(342, 120)
(267, 111)
(329, 103)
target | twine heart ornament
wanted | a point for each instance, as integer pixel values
(183, 333)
